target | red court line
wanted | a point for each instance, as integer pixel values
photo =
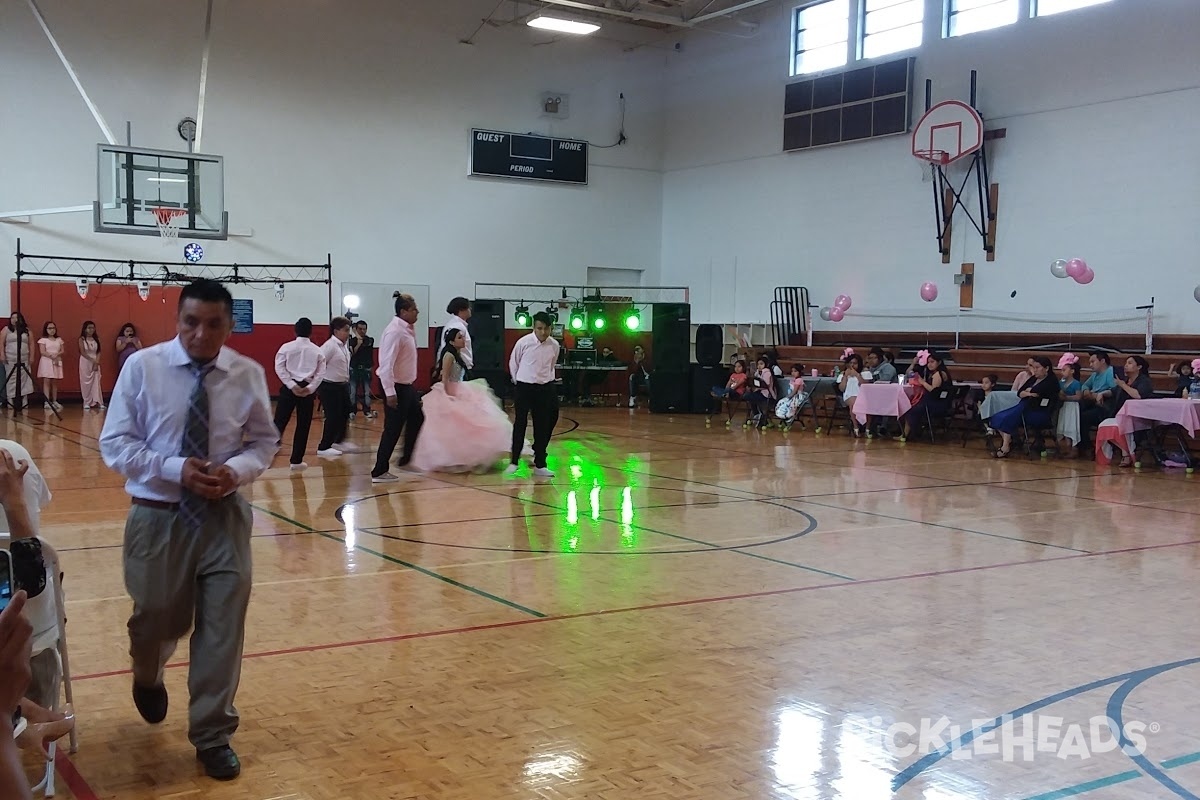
(671, 604)
(75, 782)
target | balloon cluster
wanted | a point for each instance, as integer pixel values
(1076, 269)
(836, 312)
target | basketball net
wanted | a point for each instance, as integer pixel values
(168, 220)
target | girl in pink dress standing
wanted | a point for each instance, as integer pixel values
(89, 367)
(50, 369)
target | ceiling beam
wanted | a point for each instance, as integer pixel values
(726, 12)
(630, 15)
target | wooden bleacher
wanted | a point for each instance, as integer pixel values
(980, 354)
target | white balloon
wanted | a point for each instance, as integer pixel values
(1196, 294)
(1059, 268)
(825, 313)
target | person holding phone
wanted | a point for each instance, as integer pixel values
(189, 423)
(16, 637)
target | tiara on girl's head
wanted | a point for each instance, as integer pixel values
(1196, 365)
(923, 357)
(1068, 358)
(849, 351)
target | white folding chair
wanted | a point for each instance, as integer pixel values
(56, 642)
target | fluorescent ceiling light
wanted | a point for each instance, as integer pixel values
(167, 180)
(563, 25)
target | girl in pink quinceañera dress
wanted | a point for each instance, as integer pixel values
(465, 428)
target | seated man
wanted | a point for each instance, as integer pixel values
(882, 370)
(639, 375)
(1098, 392)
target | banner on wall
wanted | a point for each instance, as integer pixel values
(243, 316)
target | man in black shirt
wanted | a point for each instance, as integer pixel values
(362, 362)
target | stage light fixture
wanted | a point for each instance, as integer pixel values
(144, 290)
(522, 315)
(578, 318)
(633, 319)
(552, 312)
(81, 286)
(599, 320)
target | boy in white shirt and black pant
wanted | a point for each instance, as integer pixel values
(301, 367)
(335, 391)
(532, 368)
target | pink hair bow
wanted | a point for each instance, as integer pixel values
(1067, 358)
(849, 351)
(922, 357)
(1196, 365)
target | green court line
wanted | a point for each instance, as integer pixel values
(1113, 780)
(400, 562)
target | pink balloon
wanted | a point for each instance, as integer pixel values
(1086, 277)
(1076, 267)
(836, 314)
(842, 302)
(929, 292)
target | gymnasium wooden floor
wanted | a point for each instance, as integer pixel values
(683, 613)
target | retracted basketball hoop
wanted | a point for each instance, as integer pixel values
(168, 220)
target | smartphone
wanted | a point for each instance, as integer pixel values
(6, 578)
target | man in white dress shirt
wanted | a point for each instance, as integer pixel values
(532, 368)
(335, 390)
(402, 412)
(190, 423)
(459, 310)
(301, 367)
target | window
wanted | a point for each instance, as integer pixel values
(1044, 8)
(970, 16)
(889, 26)
(822, 33)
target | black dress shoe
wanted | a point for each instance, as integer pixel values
(220, 762)
(151, 702)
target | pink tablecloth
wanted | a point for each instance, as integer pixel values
(881, 400)
(1138, 415)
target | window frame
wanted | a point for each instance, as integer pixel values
(949, 14)
(795, 53)
(1036, 13)
(861, 34)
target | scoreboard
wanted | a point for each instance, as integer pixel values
(497, 154)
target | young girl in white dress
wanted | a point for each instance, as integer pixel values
(50, 364)
(465, 429)
(89, 367)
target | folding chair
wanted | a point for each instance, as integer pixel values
(1036, 445)
(944, 395)
(61, 684)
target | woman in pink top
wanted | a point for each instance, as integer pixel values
(50, 369)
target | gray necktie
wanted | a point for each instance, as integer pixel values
(192, 507)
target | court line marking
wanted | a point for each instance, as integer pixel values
(1113, 780)
(673, 604)
(1127, 679)
(424, 571)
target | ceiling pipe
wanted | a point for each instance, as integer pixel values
(632, 15)
(726, 12)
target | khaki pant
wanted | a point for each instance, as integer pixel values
(179, 580)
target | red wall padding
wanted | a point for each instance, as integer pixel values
(110, 306)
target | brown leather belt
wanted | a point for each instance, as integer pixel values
(158, 504)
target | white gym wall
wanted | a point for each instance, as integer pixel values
(345, 129)
(1102, 107)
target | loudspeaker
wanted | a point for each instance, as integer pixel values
(486, 326)
(709, 345)
(704, 378)
(669, 392)
(671, 337)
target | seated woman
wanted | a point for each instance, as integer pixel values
(929, 378)
(762, 391)
(1192, 391)
(849, 382)
(1136, 385)
(1039, 398)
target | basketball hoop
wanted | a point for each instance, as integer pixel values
(168, 220)
(935, 157)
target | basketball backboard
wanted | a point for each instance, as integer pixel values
(132, 182)
(948, 132)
